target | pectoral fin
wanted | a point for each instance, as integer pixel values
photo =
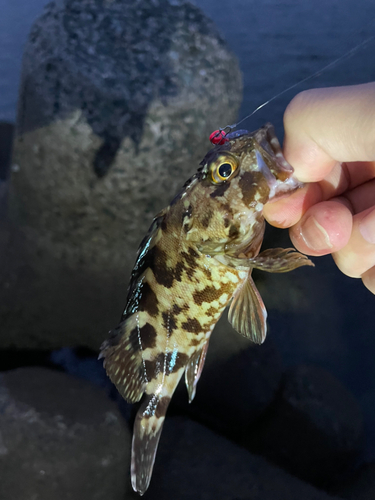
(273, 260)
(247, 313)
(280, 260)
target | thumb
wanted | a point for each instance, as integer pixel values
(326, 126)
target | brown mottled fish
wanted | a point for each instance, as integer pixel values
(197, 258)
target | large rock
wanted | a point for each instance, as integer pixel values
(194, 462)
(314, 429)
(116, 104)
(61, 438)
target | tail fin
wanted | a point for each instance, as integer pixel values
(122, 354)
(147, 429)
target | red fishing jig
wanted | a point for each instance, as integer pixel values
(218, 137)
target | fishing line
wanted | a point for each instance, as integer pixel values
(222, 132)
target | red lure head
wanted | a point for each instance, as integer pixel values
(218, 137)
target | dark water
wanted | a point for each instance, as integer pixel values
(278, 43)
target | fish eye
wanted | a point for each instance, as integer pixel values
(223, 169)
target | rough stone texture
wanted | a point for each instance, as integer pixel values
(6, 140)
(239, 381)
(61, 438)
(193, 462)
(116, 105)
(314, 429)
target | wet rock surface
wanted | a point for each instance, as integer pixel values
(238, 383)
(74, 444)
(61, 438)
(361, 486)
(194, 462)
(117, 101)
(314, 428)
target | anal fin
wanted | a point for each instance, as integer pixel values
(247, 313)
(194, 370)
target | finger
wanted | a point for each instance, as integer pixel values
(325, 228)
(323, 126)
(360, 172)
(368, 279)
(287, 211)
(362, 197)
(358, 256)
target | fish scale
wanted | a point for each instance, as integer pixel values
(196, 259)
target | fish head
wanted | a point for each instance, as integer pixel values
(222, 203)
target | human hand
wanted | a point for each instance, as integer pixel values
(330, 142)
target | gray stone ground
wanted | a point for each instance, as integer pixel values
(314, 428)
(72, 443)
(193, 462)
(238, 383)
(61, 439)
(361, 486)
(303, 419)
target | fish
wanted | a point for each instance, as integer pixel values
(196, 259)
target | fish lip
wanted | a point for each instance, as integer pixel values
(290, 188)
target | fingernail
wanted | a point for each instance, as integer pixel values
(367, 227)
(314, 235)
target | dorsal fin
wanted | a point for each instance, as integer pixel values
(141, 262)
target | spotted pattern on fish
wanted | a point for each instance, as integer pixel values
(196, 258)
